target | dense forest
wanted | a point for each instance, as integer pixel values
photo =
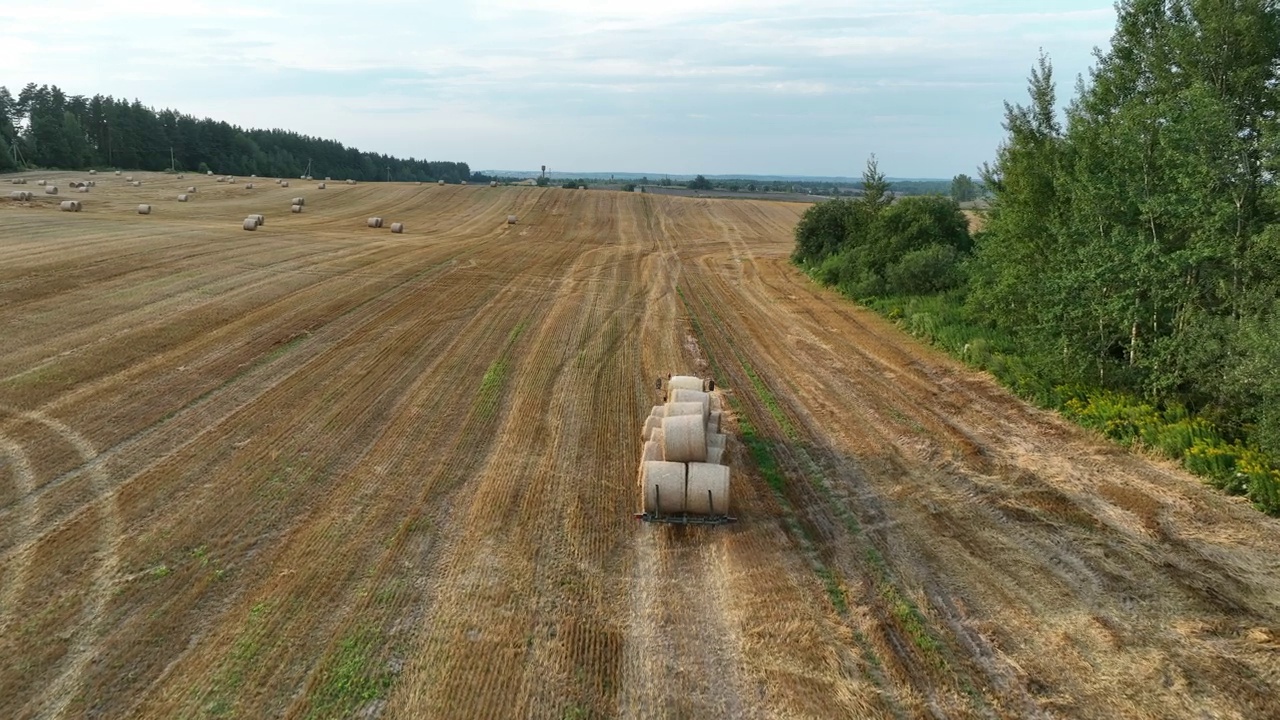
(1128, 272)
(51, 129)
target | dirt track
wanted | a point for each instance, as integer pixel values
(320, 470)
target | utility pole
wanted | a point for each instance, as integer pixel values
(388, 173)
(172, 168)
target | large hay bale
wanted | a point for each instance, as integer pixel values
(278, 181)
(144, 209)
(295, 208)
(651, 452)
(51, 190)
(684, 382)
(284, 184)
(222, 179)
(464, 182)
(664, 486)
(511, 219)
(42, 183)
(397, 228)
(191, 190)
(680, 395)
(582, 187)
(375, 222)
(248, 186)
(675, 409)
(261, 219)
(128, 178)
(19, 181)
(182, 177)
(208, 172)
(82, 189)
(327, 178)
(117, 173)
(183, 197)
(16, 195)
(684, 439)
(651, 423)
(299, 201)
(93, 172)
(250, 224)
(322, 186)
(69, 206)
(707, 489)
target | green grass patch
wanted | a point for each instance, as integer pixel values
(352, 677)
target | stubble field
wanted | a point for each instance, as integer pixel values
(321, 470)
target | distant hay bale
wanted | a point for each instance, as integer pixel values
(248, 186)
(664, 486)
(284, 184)
(136, 183)
(684, 382)
(222, 179)
(651, 452)
(295, 208)
(260, 219)
(493, 183)
(253, 176)
(582, 187)
(191, 190)
(128, 178)
(682, 395)
(299, 201)
(42, 183)
(208, 172)
(250, 224)
(511, 219)
(117, 173)
(144, 209)
(375, 222)
(464, 182)
(322, 186)
(278, 181)
(350, 181)
(397, 228)
(327, 178)
(69, 206)
(419, 182)
(51, 190)
(182, 177)
(19, 181)
(93, 172)
(439, 182)
(684, 438)
(707, 489)
(183, 197)
(82, 189)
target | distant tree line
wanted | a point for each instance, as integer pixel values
(1129, 268)
(52, 129)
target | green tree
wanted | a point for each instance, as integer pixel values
(699, 183)
(963, 188)
(875, 188)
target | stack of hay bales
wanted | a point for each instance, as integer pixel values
(682, 464)
(299, 201)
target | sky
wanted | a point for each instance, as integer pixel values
(664, 86)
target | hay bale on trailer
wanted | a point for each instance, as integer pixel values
(664, 486)
(707, 489)
(684, 438)
(685, 382)
(397, 228)
(144, 209)
(375, 222)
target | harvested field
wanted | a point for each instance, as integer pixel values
(319, 470)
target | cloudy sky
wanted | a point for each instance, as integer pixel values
(678, 86)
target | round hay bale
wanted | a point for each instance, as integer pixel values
(15, 195)
(397, 228)
(42, 183)
(82, 189)
(295, 208)
(284, 184)
(299, 201)
(493, 183)
(144, 209)
(375, 222)
(464, 182)
(684, 382)
(651, 452)
(439, 182)
(715, 439)
(582, 187)
(93, 172)
(19, 181)
(681, 395)
(222, 179)
(261, 219)
(651, 423)
(715, 455)
(191, 190)
(250, 224)
(51, 190)
(511, 219)
(278, 181)
(183, 197)
(248, 186)
(707, 489)
(350, 181)
(675, 409)
(128, 178)
(182, 177)
(327, 178)
(92, 183)
(117, 173)
(684, 439)
(136, 183)
(208, 172)
(253, 176)
(663, 484)
(68, 205)
(322, 186)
